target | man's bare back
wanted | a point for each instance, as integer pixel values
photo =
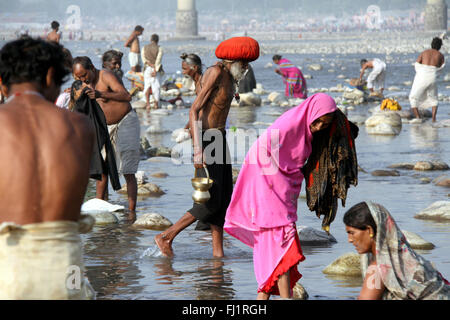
(431, 57)
(53, 36)
(215, 95)
(45, 160)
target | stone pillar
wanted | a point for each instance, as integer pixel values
(436, 15)
(186, 21)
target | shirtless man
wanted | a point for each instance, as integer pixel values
(424, 88)
(54, 35)
(207, 116)
(133, 44)
(114, 100)
(46, 153)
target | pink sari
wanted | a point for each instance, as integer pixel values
(263, 208)
(293, 79)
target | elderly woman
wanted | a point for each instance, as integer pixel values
(391, 269)
(263, 209)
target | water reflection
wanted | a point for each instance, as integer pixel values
(214, 282)
(110, 255)
(424, 136)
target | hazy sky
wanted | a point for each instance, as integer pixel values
(142, 8)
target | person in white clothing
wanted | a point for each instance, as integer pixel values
(376, 77)
(152, 57)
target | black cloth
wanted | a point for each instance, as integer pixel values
(331, 168)
(97, 118)
(249, 82)
(215, 209)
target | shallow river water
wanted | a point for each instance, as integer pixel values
(114, 255)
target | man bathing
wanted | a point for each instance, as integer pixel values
(133, 44)
(114, 100)
(424, 89)
(207, 117)
(46, 153)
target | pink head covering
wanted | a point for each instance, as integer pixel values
(267, 189)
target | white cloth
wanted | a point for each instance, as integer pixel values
(152, 82)
(133, 59)
(424, 93)
(44, 260)
(377, 76)
(63, 100)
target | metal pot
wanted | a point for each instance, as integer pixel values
(201, 186)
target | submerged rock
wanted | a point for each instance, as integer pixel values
(153, 221)
(311, 236)
(249, 99)
(402, 165)
(347, 264)
(417, 242)
(442, 181)
(439, 210)
(103, 218)
(385, 173)
(159, 175)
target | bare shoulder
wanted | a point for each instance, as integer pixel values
(212, 73)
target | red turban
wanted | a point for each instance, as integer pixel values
(238, 48)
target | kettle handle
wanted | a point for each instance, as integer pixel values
(206, 169)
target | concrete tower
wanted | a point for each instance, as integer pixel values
(436, 15)
(186, 20)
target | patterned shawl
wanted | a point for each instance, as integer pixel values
(405, 274)
(331, 168)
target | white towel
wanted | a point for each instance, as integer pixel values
(424, 91)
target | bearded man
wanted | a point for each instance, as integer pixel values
(207, 119)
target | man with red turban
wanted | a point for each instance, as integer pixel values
(207, 119)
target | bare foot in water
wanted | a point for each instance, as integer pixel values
(164, 245)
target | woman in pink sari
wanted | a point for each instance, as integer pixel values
(263, 208)
(292, 78)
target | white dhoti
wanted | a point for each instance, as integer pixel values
(377, 76)
(134, 59)
(43, 261)
(424, 93)
(152, 82)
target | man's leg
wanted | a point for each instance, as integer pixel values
(164, 239)
(217, 241)
(102, 188)
(131, 190)
(416, 112)
(433, 113)
(156, 87)
(283, 285)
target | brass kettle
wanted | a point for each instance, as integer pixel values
(201, 186)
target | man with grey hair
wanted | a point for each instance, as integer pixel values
(207, 119)
(153, 70)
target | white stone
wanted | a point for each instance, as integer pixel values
(348, 264)
(152, 221)
(416, 241)
(139, 104)
(386, 123)
(311, 236)
(439, 210)
(180, 135)
(315, 67)
(103, 218)
(98, 205)
(141, 177)
(249, 99)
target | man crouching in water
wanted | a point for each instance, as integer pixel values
(114, 99)
(207, 119)
(46, 153)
